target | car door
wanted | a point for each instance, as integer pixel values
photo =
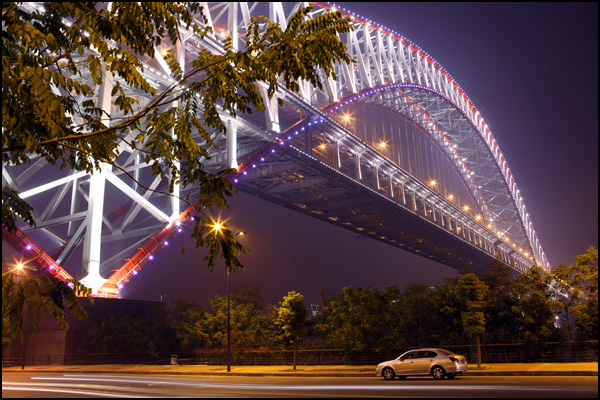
(404, 364)
(422, 361)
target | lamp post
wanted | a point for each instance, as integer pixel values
(229, 314)
(218, 227)
(228, 322)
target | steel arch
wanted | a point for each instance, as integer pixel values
(386, 63)
(386, 57)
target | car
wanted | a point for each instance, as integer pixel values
(438, 363)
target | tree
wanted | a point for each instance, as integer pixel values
(579, 284)
(445, 322)
(499, 301)
(412, 328)
(25, 298)
(142, 329)
(472, 292)
(363, 318)
(184, 319)
(536, 305)
(55, 58)
(291, 317)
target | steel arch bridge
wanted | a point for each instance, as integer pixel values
(352, 154)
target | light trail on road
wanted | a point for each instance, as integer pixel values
(165, 386)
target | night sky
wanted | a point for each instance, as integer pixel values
(530, 69)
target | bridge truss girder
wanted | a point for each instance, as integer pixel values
(415, 219)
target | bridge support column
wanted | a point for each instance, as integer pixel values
(337, 161)
(308, 141)
(232, 144)
(180, 56)
(93, 234)
(391, 186)
(358, 171)
(403, 194)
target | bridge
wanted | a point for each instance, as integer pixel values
(393, 149)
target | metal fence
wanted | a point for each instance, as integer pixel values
(490, 353)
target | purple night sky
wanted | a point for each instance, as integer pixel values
(530, 69)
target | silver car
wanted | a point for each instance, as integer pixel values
(438, 363)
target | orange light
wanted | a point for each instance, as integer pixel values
(450, 197)
(382, 145)
(322, 146)
(217, 227)
(433, 182)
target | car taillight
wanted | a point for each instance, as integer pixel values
(453, 359)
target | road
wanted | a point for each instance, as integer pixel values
(49, 385)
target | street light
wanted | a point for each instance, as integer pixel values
(218, 227)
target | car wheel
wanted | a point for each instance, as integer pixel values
(388, 374)
(438, 372)
(451, 375)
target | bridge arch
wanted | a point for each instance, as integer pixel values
(385, 59)
(390, 72)
(458, 140)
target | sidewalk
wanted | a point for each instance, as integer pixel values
(548, 369)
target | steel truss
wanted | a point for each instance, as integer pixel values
(105, 217)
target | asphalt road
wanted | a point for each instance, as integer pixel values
(27, 385)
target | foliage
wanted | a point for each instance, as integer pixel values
(197, 328)
(12, 208)
(362, 318)
(56, 59)
(446, 324)
(473, 292)
(536, 306)
(413, 318)
(291, 317)
(579, 284)
(500, 280)
(500, 306)
(137, 329)
(185, 320)
(24, 299)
